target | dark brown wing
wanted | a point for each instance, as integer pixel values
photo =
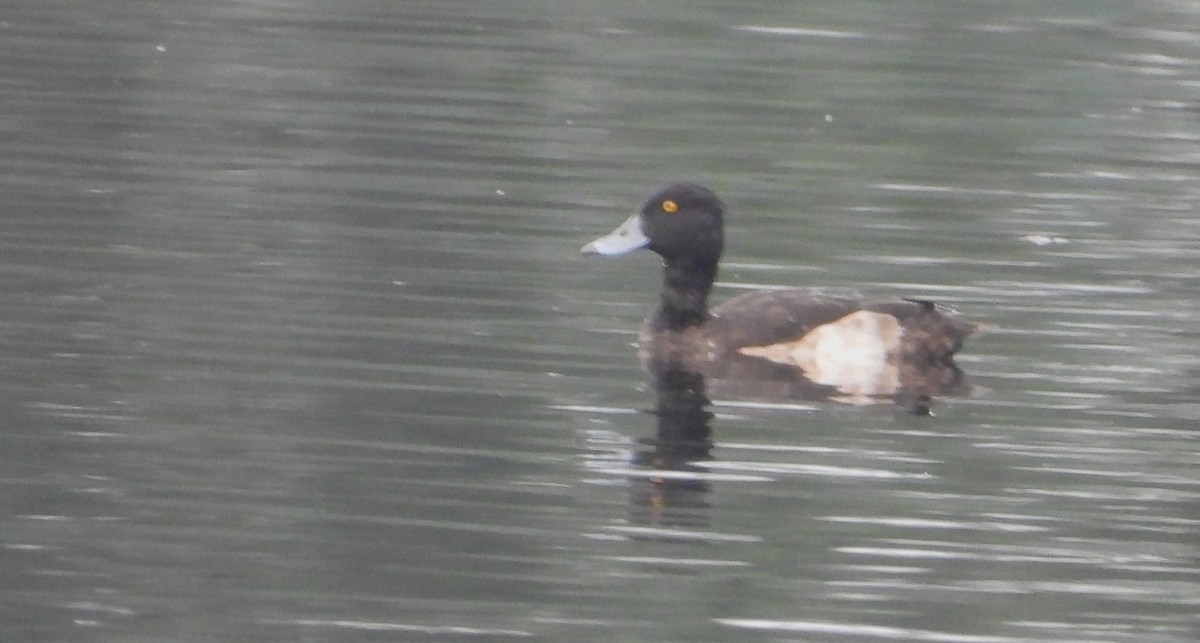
(771, 316)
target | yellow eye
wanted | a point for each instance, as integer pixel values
(670, 206)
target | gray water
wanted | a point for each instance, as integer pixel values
(297, 346)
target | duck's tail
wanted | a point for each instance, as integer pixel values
(932, 333)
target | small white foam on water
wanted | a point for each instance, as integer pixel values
(802, 32)
(823, 470)
(382, 626)
(860, 630)
(580, 408)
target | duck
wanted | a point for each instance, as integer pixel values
(842, 345)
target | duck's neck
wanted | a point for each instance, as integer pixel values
(684, 301)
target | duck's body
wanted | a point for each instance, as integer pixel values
(850, 345)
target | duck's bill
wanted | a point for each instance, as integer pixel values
(627, 237)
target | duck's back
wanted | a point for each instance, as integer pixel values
(762, 322)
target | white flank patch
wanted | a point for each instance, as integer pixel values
(850, 354)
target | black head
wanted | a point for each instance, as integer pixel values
(683, 222)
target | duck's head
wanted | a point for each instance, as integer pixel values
(682, 223)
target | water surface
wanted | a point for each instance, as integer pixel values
(297, 345)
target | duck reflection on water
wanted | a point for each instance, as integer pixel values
(682, 442)
(672, 491)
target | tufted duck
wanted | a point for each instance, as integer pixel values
(872, 348)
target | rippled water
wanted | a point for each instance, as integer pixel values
(297, 344)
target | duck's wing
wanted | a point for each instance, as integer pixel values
(767, 317)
